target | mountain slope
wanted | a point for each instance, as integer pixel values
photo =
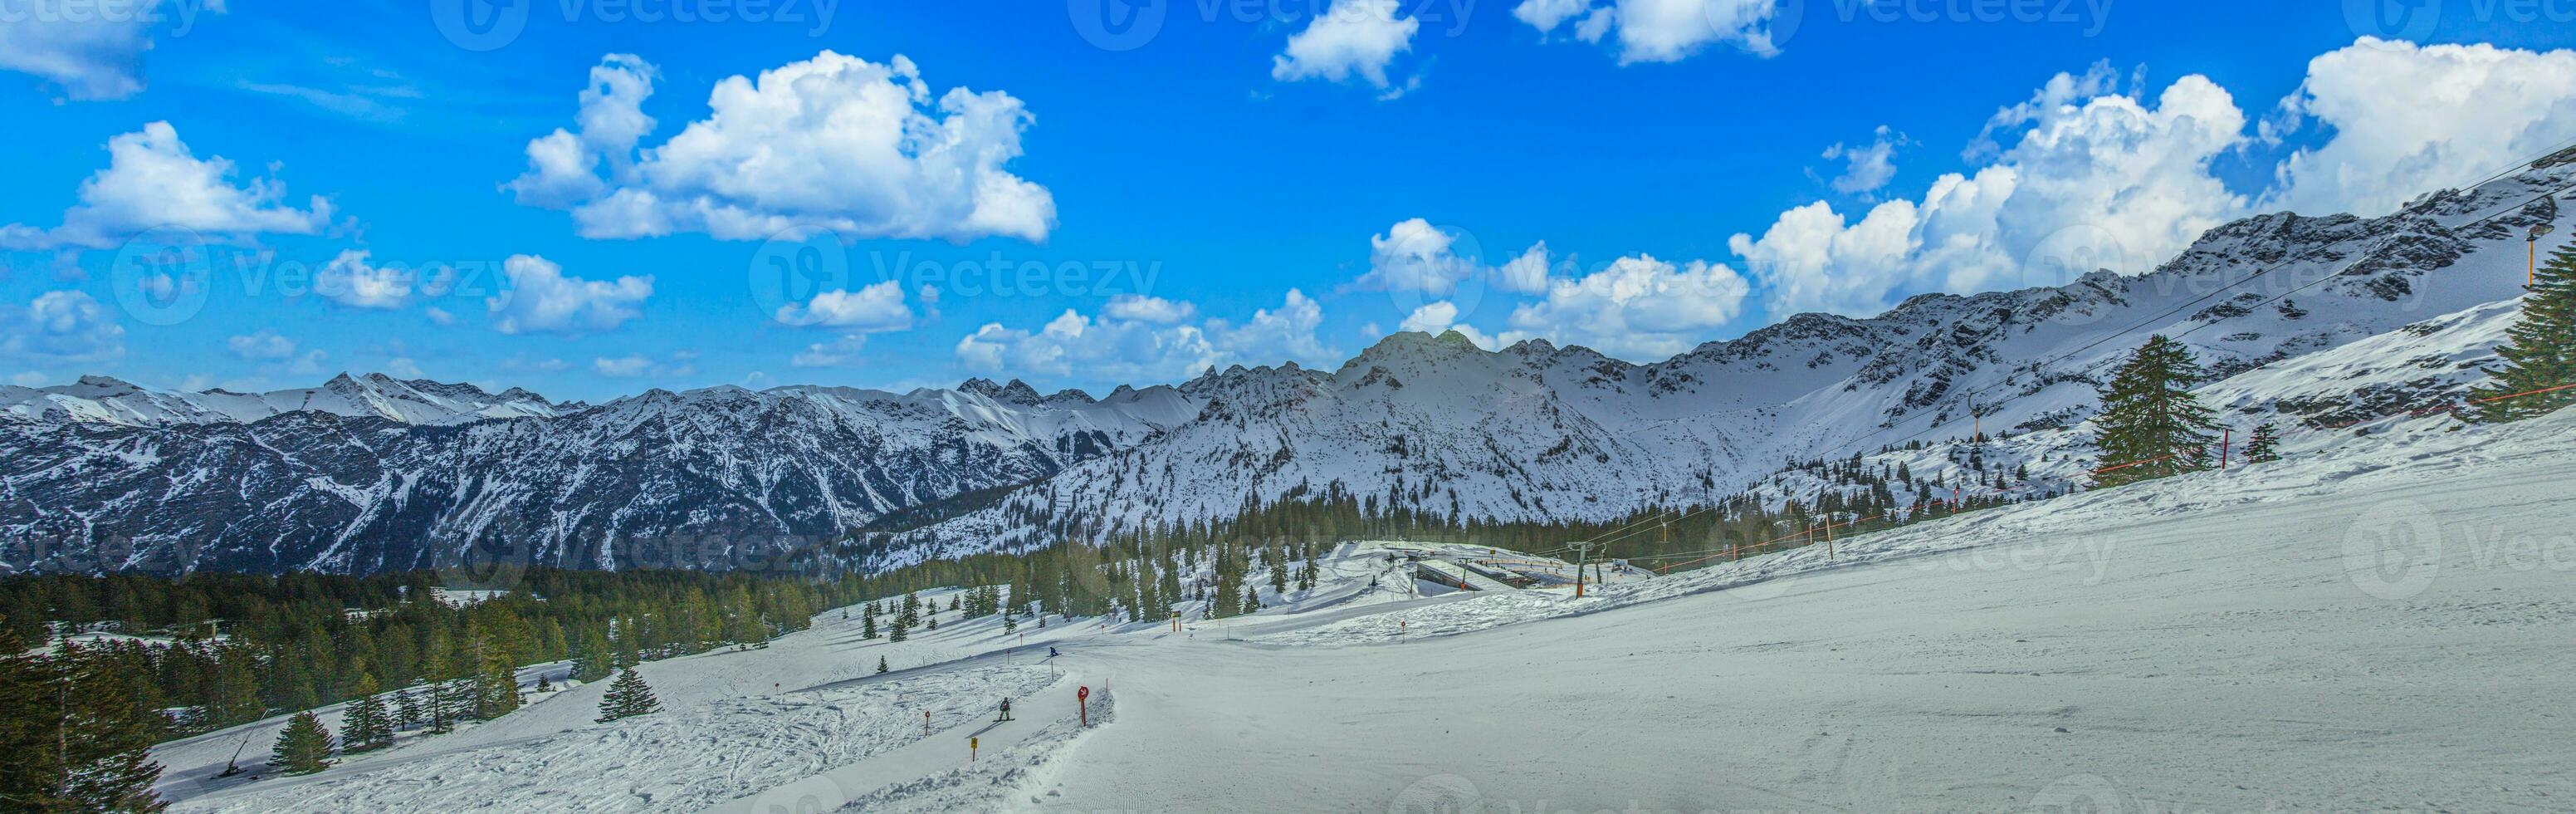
(2313, 321)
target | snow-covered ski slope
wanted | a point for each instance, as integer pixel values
(2377, 623)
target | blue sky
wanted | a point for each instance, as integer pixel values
(1676, 172)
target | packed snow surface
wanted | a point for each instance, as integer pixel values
(2377, 623)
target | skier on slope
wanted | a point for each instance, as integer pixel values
(1006, 711)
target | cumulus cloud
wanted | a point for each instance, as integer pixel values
(2408, 119)
(1417, 257)
(263, 346)
(842, 352)
(542, 300)
(1658, 30)
(153, 180)
(1114, 349)
(1351, 38)
(1141, 308)
(351, 280)
(832, 143)
(89, 50)
(2110, 169)
(623, 367)
(875, 309)
(1637, 308)
(1867, 167)
(62, 327)
(1526, 274)
(1442, 317)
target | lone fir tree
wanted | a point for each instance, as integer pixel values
(881, 665)
(2151, 426)
(2265, 446)
(304, 748)
(627, 697)
(2539, 352)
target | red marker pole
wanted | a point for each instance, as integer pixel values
(1082, 696)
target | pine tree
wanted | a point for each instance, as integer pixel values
(304, 748)
(2151, 426)
(627, 697)
(2540, 351)
(495, 687)
(365, 727)
(868, 627)
(897, 633)
(407, 710)
(881, 665)
(2265, 446)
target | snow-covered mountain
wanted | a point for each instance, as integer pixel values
(2318, 321)
(118, 477)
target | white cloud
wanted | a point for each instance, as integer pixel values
(1141, 308)
(1442, 317)
(350, 280)
(440, 317)
(1659, 30)
(152, 180)
(1526, 274)
(563, 167)
(542, 300)
(90, 50)
(1638, 308)
(62, 327)
(842, 352)
(264, 346)
(831, 143)
(2110, 170)
(1415, 256)
(402, 367)
(1276, 334)
(2408, 119)
(875, 309)
(1137, 351)
(1350, 38)
(625, 367)
(1866, 167)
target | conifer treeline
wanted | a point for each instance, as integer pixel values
(301, 641)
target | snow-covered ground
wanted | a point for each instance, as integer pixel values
(2378, 623)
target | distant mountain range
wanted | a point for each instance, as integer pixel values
(372, 473)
